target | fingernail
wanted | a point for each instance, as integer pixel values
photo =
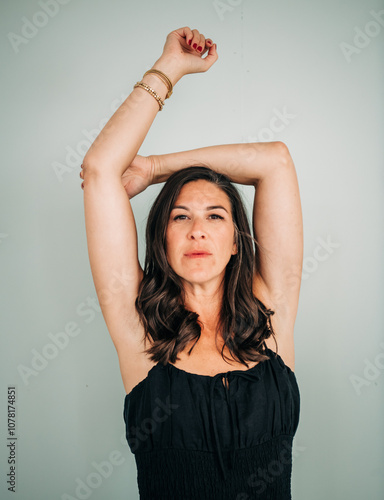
(190, 41)
(200, 49)
(194, 45)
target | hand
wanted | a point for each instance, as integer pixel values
(181, 53)
(137, 177)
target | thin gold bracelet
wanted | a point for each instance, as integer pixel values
(164, 78)
(152, 92)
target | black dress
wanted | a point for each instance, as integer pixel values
(196, 438)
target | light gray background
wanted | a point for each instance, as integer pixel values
(70, 76)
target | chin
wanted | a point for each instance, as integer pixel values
(200, 277)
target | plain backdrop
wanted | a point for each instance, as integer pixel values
(65, 68)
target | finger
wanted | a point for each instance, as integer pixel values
(211, 57)
(195, 40)
(208, 45)
(185, 33)
(82, 185)
(188, 35)
(201, 44)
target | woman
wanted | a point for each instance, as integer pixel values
(211, 408)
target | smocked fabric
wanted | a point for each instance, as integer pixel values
(227, 436)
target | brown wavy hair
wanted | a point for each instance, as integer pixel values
(244, 321)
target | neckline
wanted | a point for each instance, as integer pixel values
(159, 364)
(221, 373)
(213, 376)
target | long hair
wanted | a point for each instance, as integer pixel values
(244, 321)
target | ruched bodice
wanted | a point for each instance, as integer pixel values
(227, 436)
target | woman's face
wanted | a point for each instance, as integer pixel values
(200, 220)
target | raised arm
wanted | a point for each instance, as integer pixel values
(242, 163)
(119, 141)
(110, 225)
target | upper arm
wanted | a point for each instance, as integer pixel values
(113, 255)
(278, 229)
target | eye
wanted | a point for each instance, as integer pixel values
(178, 217)
(216, 215)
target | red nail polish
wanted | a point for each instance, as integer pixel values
(194, 45)
(200, 49)
(190, 41)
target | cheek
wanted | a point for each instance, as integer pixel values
(228, 238)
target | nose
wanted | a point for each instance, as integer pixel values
(197, 231)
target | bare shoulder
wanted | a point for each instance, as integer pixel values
(283, 323)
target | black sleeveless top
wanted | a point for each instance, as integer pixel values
(195, 438)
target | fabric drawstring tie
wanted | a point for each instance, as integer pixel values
(228, 377)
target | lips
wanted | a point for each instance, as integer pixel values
(197, 253)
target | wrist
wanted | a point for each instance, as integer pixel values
(156, 166)
(162, 167)
(169, 67)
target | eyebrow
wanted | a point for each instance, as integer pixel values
(212, 207)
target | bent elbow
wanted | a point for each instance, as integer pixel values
(90, 167)
(283, 153)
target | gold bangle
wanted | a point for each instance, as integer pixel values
(165, 79)
(152, 92)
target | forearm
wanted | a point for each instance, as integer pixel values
(121, 138)
(242, 163)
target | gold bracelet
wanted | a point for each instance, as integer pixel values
(152, 92)
(165, 79)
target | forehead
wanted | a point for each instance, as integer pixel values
(201, 192)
